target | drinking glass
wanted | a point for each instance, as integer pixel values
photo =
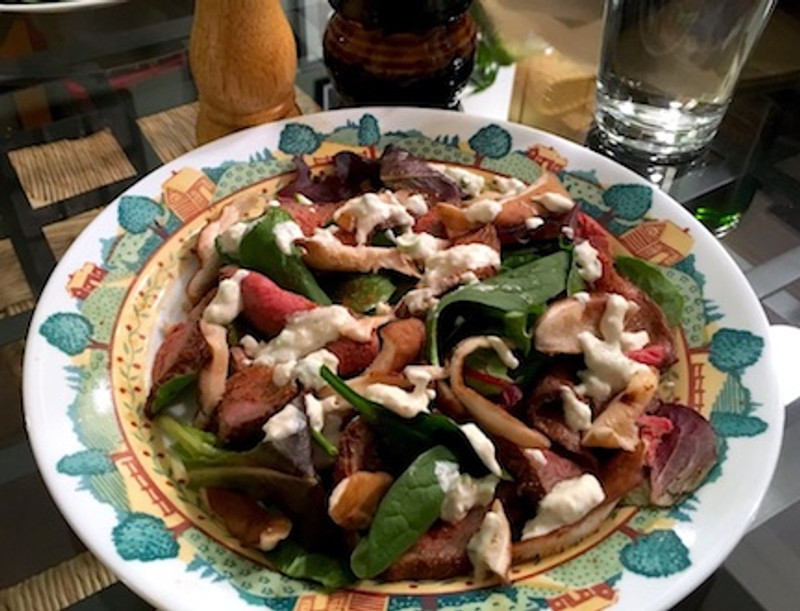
(668, 69)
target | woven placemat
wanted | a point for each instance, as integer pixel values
(59, 170)
(15, 294)
(58, 587)
(50, 173)
(62, 234)
(171, 132)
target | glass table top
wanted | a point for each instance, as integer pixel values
(105, 96)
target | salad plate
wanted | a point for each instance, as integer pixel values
(99, 323)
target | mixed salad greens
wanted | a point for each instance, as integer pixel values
(401, 370)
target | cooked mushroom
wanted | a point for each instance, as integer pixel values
(489, 549)
(545, 197)
(247, 520)
(354, 500)
(213, 375)
(401, 343)
(210, 261)
(556, 331)
(489, 416)
(616, 426)
(332, 255)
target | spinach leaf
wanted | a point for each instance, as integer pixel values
(259, 250)
(575, 282)
(516, 257)
(515, 297)
(406, 438)
(200, 449)
(325, 445)
(168, 392)
(290, 558)
(652, 281)
(485, 372)
(407, 510)
(364, 292)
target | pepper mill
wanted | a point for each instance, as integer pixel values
(243, 60)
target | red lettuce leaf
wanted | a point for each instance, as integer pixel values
(352, 176)
(402, 170)
(684, 456)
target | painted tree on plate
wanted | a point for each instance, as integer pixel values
(298, 139)
(140, 536)
(732, 351)
(137, 214)
(369, 134)
(659, 553)
(491, 141)
(623, 207)
(70, 332)
(86, 462)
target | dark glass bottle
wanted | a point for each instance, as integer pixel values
(400, 52)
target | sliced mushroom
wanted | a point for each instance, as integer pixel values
(491, 417)
(248, 521)
(354, 500)
(533, 201)
(454, 219)
(616, 427)
(210, 262)
(489, 549)
(332, 255)
(556, 331)
(214, 374)
(401, 343)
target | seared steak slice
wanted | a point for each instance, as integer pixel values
(440, 553)
(183, 351)
(535, 472)
(354, 357)
(358, 450)
(250, 399)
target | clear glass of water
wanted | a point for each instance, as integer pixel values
(668, 69)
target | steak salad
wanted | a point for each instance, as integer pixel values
(404, 370)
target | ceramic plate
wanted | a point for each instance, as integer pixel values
(55, 7)
(100, 319)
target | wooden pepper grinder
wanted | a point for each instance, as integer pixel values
(244, 60)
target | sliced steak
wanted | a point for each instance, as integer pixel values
(250, 399)
(535, 472)
(309, 218)
(354, 357)
(183, 351)
(358, 450)
(440, 553)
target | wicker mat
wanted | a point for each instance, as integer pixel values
(59, 587)
(171, 133)
(50, 173)
(59, 170)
